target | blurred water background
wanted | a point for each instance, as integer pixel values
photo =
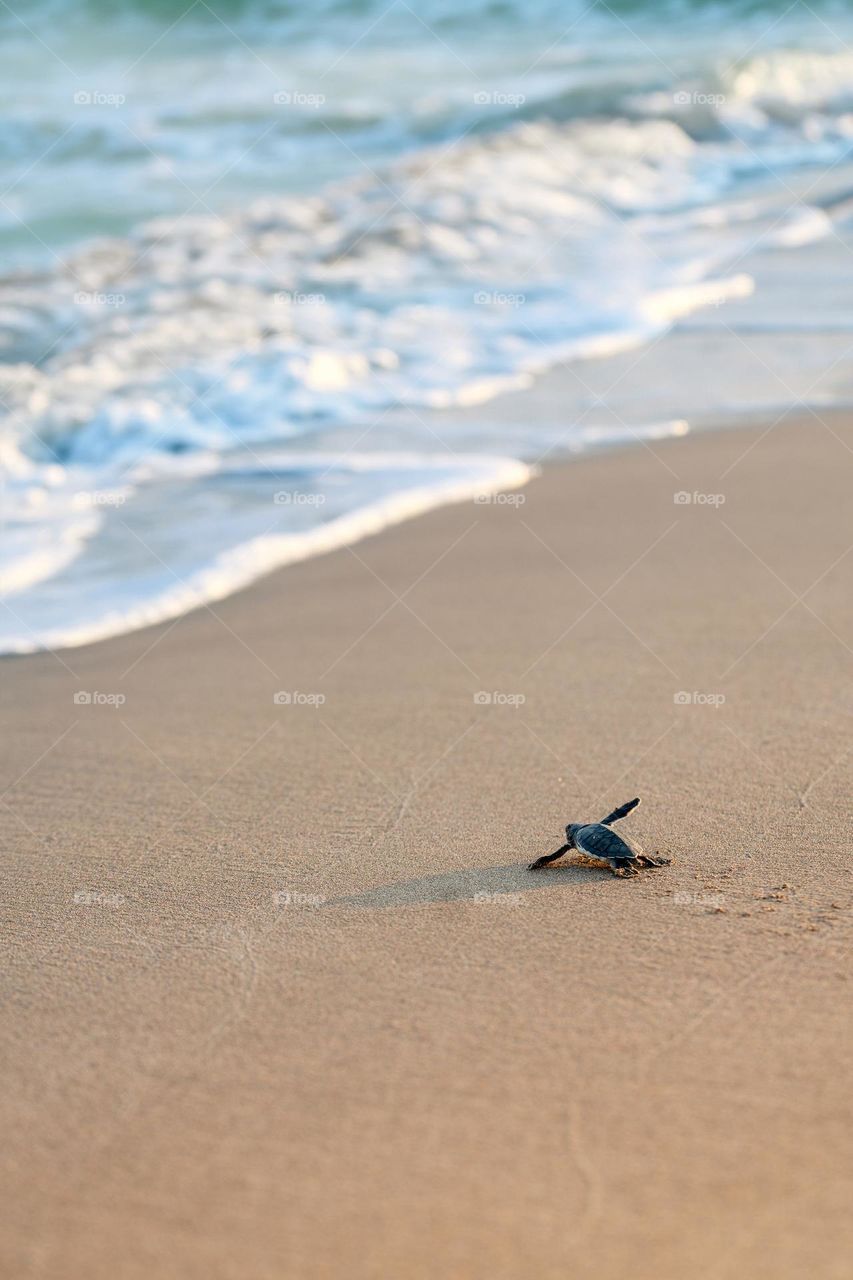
(269, 268)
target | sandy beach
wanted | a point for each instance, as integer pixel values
(282, 999)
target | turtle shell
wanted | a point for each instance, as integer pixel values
(599, 841)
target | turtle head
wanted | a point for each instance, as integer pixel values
(570, 833)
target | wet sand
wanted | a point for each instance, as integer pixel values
(282, 998)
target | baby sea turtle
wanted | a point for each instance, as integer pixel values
(602, 847)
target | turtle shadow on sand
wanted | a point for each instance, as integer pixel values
(471, 884)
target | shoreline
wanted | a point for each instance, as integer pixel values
(420, 1058)
(236, 568)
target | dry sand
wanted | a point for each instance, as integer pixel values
(451, 1067)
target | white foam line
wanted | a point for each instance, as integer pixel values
(244, 564)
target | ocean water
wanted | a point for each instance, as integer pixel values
(267, 266)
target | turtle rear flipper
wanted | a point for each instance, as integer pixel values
(621, 812)
(624, 866)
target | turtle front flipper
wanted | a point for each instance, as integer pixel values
(621, 812)
(646, 860)
(549, 857)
